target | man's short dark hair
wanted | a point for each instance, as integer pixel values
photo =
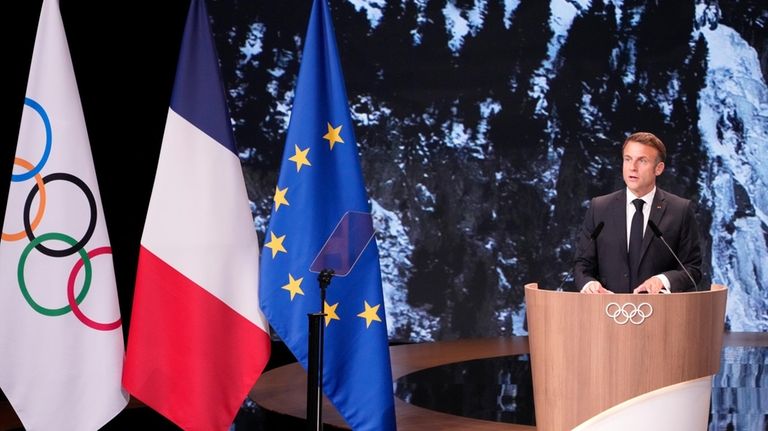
(647, 138)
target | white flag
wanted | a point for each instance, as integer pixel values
(60, 330)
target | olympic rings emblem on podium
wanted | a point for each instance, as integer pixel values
(629, 312)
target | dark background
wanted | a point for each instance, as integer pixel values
(480, 154)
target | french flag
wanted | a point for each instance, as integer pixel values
(198, 340)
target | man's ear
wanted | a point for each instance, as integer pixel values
(659, 168)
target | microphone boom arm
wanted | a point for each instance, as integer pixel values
(657, 232)
(592, 237)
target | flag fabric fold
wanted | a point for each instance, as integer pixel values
(198, 340)
(320, 182)
(60, 329)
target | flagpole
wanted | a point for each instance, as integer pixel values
(315, 348)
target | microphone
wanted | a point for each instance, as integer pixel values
(593, 236)
(657, 232)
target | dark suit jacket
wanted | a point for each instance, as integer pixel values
(605, 259)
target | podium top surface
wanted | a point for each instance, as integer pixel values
(713, 288)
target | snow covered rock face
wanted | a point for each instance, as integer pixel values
(485, 126)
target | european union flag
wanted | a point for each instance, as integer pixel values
(320, 182)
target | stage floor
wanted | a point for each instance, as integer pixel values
(739, 398)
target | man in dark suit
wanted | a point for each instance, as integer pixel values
(627, 256)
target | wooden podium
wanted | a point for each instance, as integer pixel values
(608, 361)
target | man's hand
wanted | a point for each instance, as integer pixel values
(652, 285)
(594, 287)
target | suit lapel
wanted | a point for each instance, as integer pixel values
(658, 207)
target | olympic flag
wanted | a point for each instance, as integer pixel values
(60, 330)
(198, 339)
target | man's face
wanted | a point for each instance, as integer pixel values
(641, 167)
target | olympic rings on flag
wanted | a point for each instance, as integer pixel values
(23, 285)
(48, 141)
(628, 312)
(91, 224)
(40, 207)
(71, 292)
(36, 242)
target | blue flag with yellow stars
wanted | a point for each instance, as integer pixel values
(318, 202)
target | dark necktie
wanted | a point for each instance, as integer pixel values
(635, 243)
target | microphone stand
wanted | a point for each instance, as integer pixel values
(593, 236)
(315, 367)
(657, 232)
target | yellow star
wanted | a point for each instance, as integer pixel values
(300, 158)
(370, 314)
(330, 313)
(333, 135)
(293, 286)
(276, 244)
(280, 198)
